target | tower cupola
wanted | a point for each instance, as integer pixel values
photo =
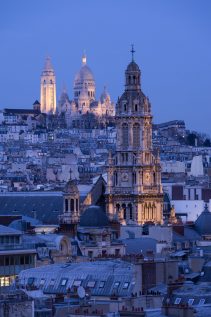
(132, 75)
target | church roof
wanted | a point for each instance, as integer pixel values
(203, 222)
(94, 216)
(36, 103)
(133, 67)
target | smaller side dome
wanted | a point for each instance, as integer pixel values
(71, 187)
(203, 222)
(105, 96)
(94, 216)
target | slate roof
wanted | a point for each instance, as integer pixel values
(46, 207)
(140, 245)
(94, 216)
(189, 234)
(9, 231)
(20, 111)
(203, 222)
(103, 274)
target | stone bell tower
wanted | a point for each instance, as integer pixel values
(48, 88)
(134, 191)
(70, 217)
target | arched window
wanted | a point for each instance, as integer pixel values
(134, 177)
(125, 134)
(125, 107)
(129, 80)
(72, 204)
(136, 107)
(154, 178)
(134, 79)
(117, 207)
(136, 135)
(130, 207)
(116, 178)
(66, 204)
(124, 211)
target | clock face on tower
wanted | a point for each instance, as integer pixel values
(124, 177)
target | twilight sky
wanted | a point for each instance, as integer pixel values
(172, 41)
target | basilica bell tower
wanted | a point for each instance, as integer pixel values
(134, 191)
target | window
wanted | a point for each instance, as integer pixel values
(91, 284)
(72, 204)
(66, 204)
(52, 282)
(177, 301)
(76, 205)
(116, 284)
(130, 207)
(136, 135)
(126, 285)
(136, 107)
(190, 301)
(202, 301)
(31, 280)
(116, 252)
(27, 259)
(64, 281)
(42, 281)
(125, 134)
(77, 283)
(102, 284)
(90, 254)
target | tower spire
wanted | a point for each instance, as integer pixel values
(84, 58)
(132, 52)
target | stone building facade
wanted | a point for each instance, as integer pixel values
(48, 88)
(134, 191)
(84, 98)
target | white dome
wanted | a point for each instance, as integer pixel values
(105, 96)
(84, 74)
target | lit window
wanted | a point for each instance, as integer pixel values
(177, 301)
(101, 285)
(91, 284)
(77, 283)
(190, 301)
(63, 282)
(126, 284)
(202, 301)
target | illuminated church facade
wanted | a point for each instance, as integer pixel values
(84, 95)
(134, 192)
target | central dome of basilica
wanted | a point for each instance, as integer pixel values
(85, 73)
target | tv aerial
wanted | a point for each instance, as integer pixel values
(81, 292)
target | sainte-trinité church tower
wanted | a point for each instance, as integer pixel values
(134, 191)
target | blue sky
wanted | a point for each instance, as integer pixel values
(172, 41)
